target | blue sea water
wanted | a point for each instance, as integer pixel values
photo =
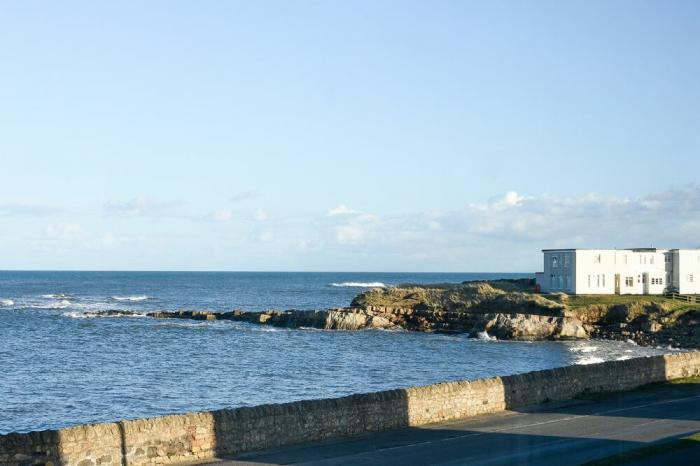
(60, 367)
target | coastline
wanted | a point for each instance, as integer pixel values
(503, 309)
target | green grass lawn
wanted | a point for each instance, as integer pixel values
(575, 301)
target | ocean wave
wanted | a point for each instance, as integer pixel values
(77, 315)
(55, 296)
(7, 302)
(584, 349)
(359, 285)
(103, 314)
(485, 336)
(590, 360)
(57, 305)
(130, 298)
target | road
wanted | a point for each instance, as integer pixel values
(550, 434)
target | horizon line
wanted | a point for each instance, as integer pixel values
(248, 271)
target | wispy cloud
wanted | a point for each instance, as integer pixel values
(508, 230)
(260, 215)
(20, 209)
(221, 215)
(341, 210)
(64, 232)
(143, 207)
(243, 196)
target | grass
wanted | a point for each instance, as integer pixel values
(601, 396)
(687, 380)
(649, 451)
(575, 301)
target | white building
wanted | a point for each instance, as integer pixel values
(620, 271)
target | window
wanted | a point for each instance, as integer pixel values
(657, 281)
(629, 281)
(555, 262)
(667, 258)
(596, 259)
(651, 259)
(603, 280)
(690, 278)
(589, 281)
(566, 282)
(639, 279)
(566, 260)
(553, 281)
(625, 258)
(597, 281)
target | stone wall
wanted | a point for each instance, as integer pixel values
(199, 436)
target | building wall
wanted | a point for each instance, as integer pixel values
(199, 436)
(558, 275)
(594, 271)
(688, 271)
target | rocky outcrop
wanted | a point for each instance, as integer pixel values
(522, 314)
(504, 309)
(329, 319)
(511, 326)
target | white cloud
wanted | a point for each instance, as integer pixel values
(107, 241)
(260, 215)
(64, 232)
(243, 196)
(266, 236)
(222, 215)
(507, 232)
(350, 234)
(143, 207)
(341, 210)
(17, 209)
(434, 226)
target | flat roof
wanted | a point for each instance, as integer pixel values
(623, 249)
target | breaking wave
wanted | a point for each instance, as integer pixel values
(590, 360)
(359, 285)
(130, 298)
(583, 349)
(59, 305)
(7, 302)
(485, 336)
(93, 315)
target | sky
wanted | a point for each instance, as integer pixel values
(345, 135)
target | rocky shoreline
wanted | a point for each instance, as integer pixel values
(502, 309)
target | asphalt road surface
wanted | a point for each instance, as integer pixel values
(550, 434)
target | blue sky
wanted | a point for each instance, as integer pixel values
(328, 135)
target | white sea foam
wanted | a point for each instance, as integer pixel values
(55, 296)
(485, 336)
(94, 315)
(584, 349)
(359, 285)
(632, 342)
(590, 360)
(622, 358)
(7, 302)
(130, 298)
(56, 305)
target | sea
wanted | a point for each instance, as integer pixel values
(61, 367)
